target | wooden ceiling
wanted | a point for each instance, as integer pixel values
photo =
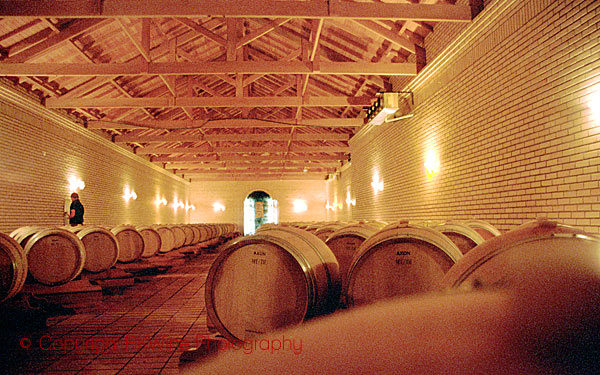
(213, 90)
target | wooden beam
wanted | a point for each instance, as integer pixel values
(257, 158)
(272, 25)
(387, 34)
(229, 123)
(236, 150)
(134, 138)
(206, 68)
(137, 43)
(252, 163)
(254, 169)
(406, 12)
(259, 177)
(202, 30)
(170, 102)
(77, 28)
(231, 8)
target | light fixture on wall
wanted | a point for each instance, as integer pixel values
(177, 204)
(377, 183)
(432, 163)
(300, 205)
(129, 194)
(75, 184)
(218, 207)
(349, 200)
(160, 201)
(594, 105)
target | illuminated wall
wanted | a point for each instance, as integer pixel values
(506, 124)
(42, 150)
(231, 195)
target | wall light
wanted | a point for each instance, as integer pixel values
(218, 206)
(129, 194)
(349, 200)
(75, 184)
(189, 207)
(160, 201)
(377, 183)
(432, 163)
(300, 205)
(177, 204)
(594, 104)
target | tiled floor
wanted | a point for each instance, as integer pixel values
(142, 331)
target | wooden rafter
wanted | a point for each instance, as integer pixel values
(241, 149)
(221, 68)
(333, 122)
(264, 137)
(165, 102)
(231, 8)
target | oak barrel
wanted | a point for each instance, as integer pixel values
(13, 267)
(344, 242)
(189, 235)
(325, 230)
(275, 278)
(54, 256)
(152, 240)
(400, 260)
(179, 236)
(485, 229)
(548, 324)
(167, 238)
(508, 259)
(463, 236)
(101, 247)
(131, 243)
(196, 232)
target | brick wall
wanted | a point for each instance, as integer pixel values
(508, 112)
(41, 150)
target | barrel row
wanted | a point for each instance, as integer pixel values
(526, 301)
(299, 270)
(55, 256)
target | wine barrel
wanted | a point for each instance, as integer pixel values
(324, 231)
(377, 223)
(548, 324)
(463, 236)
(507, 259)
(197, 234)
(101, 247)
(152, 240)
(54, 256)
(22, 234)
(189, 235)
(205, 232)
(485, 229)
(179, 236)
(275, 278)
(401, 260)
(13, 267)
(167, 238)
(131, 243)
(344, 242)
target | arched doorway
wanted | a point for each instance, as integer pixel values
(259, 209)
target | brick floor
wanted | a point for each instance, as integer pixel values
(142, 331)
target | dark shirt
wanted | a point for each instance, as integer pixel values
(78, 207)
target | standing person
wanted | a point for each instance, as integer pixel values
(75, 210)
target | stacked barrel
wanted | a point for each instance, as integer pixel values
(57, 255)
(289, 272)
(526, 301)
